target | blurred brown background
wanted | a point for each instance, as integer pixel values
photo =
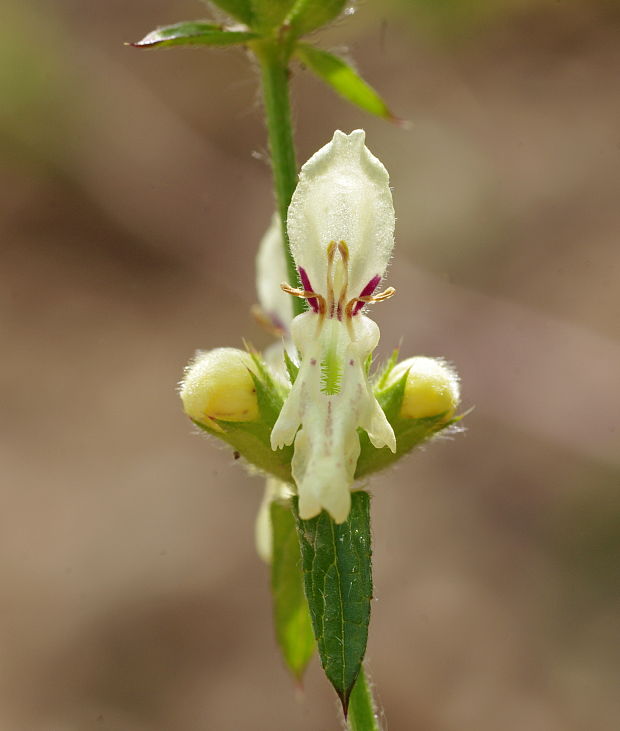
(134, 192)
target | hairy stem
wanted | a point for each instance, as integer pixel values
(273, 58)
(362, 707)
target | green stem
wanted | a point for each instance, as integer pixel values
(273, 58)
(362, 707)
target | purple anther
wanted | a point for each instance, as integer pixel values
(305, 283)
(366, 292)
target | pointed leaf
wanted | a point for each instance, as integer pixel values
(290, 608)
(193, 34)
(343, 79)
(338, 583)
(239, 9)
(307, 15)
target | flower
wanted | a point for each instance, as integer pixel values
(432, 387)
(341, 232)
(218, 385)
(274, 312)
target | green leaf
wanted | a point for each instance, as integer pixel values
(193, 34)
(307, 15)
(292, 619)
(239, 9)
(338, 583)
(270, 14)
(343, 79)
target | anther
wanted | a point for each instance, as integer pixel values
(304, 294)
(386, 294)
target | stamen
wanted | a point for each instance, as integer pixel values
(352, 309)
(305, 294)
(268, 321)
(368, 289)
(305, 281)
(344, 256)
(331, 249)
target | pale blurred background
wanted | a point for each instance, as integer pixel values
(134, 192)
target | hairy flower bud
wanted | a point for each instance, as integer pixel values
(218, 385)
(432, 387)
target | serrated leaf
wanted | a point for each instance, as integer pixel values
(291, 616)
(343, 79)
(338, 583)
(239, 9)
(193, 34)
(307, 15)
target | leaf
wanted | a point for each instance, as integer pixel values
(338, 583)
(307, 15)
(343, 79)
(193, 34)
(290, 608)
(269, 14)
(239, 9)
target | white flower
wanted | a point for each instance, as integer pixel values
(275, 311)
(341, 231)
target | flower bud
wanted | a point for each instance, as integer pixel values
(432, 387)
(218, 385)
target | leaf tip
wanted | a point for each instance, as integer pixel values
(344, 700)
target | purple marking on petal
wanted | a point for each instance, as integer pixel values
(366, 292)
(305, 283)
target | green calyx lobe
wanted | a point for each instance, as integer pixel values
(252, 440)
